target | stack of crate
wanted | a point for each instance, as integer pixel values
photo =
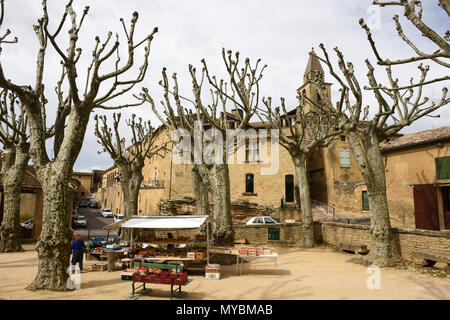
(212, 272)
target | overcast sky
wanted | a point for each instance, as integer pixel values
(281, 33)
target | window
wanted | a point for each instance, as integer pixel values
(442, 168)
(249, 183)
(155, 178)
(258, 220)
(82, 193)
(345, 158)
(342, 138)
(268, 220)
(251, 150)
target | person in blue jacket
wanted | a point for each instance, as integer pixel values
(78, 248)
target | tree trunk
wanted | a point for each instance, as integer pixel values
(220, 182)
(14, 163)
(130, 183)
(305, 200)
(201, 191)
(370, 162)
(53, 246)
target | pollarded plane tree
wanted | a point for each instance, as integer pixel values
(301, 133)
(14, 161)
(413, 12)
(396, 107)
(129, 160)
(14, 158)
(179, 118)
(72, 116)
(242, 91)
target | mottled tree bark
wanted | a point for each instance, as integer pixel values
(14, 163)
(201, 190)
(53, 246)
(305, 200)
(370, 162)
(220, 182)
(130, 183)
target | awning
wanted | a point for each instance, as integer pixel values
(159, 222)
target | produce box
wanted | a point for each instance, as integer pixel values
(267, 252)
(137, 277)
(212, 267)
(212, 275)
(191, 255)
(200, 255)
(179, 281)
(167, 280)
(243, 251)
(259, 251)
(252, 251)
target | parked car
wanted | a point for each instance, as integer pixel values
(90, 197)
(93, 204)
(28, 224)
(118, 217)
(83, 204)
(107, 213)
(79, 222)
(263, 220)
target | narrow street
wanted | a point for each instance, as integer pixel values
(95, 224)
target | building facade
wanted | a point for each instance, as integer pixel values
(333, 173)
(418, 179)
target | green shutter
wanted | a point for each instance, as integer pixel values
(442, 168)
(365, 201)
(274, 233)
(345, 158)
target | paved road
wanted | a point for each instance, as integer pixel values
(95, 224)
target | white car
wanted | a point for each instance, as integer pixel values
(263, 220)
(118, 217)
(107, 213)
(28, 224)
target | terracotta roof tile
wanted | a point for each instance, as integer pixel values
(30, 180)
(417, 139)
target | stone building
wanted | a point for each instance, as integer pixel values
(84, 182)
(334, 176)
(418, 179)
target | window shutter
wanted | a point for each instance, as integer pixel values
(345, 158)
(442, 168)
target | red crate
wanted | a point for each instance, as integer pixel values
(137, 277)
(180, 281)
(164, 280)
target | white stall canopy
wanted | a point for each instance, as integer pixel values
(159, 222)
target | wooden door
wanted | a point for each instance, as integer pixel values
(425, 207)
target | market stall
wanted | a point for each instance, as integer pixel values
(160, 243)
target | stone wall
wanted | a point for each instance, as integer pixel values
(241, 211)
(406, 239)
(290, 234)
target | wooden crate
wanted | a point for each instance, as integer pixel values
(99, 267)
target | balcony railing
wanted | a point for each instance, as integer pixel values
(153, 184)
